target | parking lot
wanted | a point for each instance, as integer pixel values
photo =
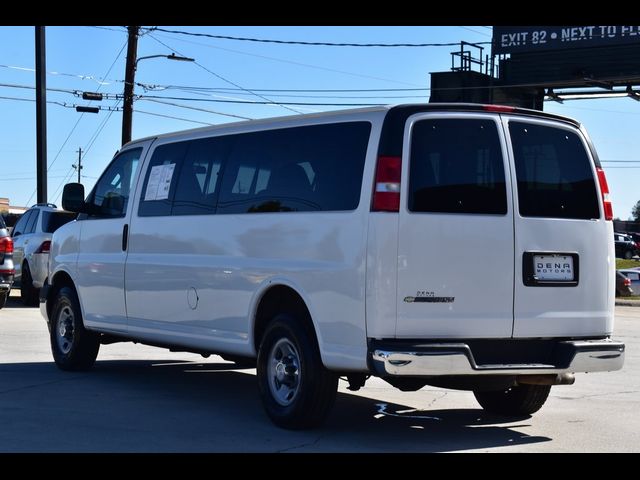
(144, 399)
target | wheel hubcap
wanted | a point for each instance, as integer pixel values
(284, 372)
(64, 330)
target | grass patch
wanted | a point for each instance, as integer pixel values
(621, 263)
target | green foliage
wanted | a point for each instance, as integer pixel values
(621, 263)
(635, 211)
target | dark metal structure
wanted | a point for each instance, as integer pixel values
(530, 64)
(41, 116)
(129, 77)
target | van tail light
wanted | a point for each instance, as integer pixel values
(604, 189)
(44, 247)
(6, 245)
(386, 196)
(627, 282)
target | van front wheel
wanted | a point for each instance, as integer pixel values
(297, 391)
(73, 347)
(514, 401)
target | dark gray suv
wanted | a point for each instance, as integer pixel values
(6, 263)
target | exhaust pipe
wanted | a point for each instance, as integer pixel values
(551, 379)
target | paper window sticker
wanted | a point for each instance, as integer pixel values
(154, 181)
(165, 183)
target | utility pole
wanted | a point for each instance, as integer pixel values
(129, 78)
(41, 116)
(79, 165)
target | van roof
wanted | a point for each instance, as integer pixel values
(398, 111)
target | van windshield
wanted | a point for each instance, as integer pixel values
(554, 173)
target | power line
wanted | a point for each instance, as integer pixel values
(225, 79)
(198, 109)
(174, 118)
(82, 116)
(3, 179)
(475, 31)
(50, 102)
(283, 95)
(298, 42)
(267, 102)
(29, 87)
(107, 28)
(98, 80)
(86, 150)
(291, 62)
(299, 90)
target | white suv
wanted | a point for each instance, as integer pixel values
(463, 246)
(31, 240)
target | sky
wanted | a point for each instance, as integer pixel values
(93, 59)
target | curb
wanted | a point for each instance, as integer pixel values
(627, 303)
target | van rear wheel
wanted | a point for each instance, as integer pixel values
(73, 346)
(514, 401)
(297, 391)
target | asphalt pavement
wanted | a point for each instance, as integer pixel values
(146, 399)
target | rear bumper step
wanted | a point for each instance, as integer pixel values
(438, 359)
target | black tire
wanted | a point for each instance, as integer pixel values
(628, 255)
(514, 401)
(73, 347)
(311, 386)
(28, 293)
(3, 298)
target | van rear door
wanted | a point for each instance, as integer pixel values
(456, 242)
(563, 245)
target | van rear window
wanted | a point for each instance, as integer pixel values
(457, 167)
(554, 173)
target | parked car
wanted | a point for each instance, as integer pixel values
(625, 246)
(332, 244)
(635, 237)
(6, 263)
(633, 275)
(31, 242)
(623, 285)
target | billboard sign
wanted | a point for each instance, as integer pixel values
(531, 39)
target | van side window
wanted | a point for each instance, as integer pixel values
(310, 168)
(554, 173)
(110, 196)
(456, 166)
(160, 180)
(197, 186)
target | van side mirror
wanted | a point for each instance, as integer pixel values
(73, 198)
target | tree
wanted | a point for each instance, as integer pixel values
(635, 211)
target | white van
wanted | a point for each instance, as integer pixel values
(462, 246)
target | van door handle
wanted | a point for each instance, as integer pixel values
(125, 236)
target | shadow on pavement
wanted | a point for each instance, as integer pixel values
(14, 300)
(153, 406)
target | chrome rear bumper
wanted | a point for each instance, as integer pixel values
(439, 359)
